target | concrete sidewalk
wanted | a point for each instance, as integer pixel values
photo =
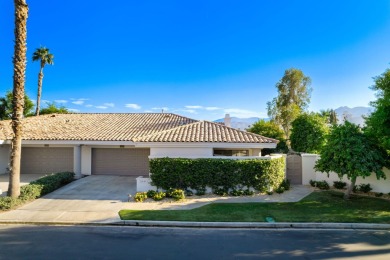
(98, 199)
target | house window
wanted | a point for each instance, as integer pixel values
(226, 152)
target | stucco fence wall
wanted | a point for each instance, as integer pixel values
(308, 173)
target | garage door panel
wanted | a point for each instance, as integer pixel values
(38, 160)
(120, 161)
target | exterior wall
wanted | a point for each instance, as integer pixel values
(181, 152)
(4, 158)
(308, 173)
(86, 160)
(255, 152)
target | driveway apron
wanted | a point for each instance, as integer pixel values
(93, 199)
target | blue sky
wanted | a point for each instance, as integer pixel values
(201, 59)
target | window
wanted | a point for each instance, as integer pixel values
(225, 152)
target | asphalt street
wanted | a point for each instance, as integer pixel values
(121, 242)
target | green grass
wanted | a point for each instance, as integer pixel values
(320, 206)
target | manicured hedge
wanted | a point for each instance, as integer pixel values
(37, 189)
(226, 174)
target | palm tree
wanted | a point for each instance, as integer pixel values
(19, 60)
(43, 55)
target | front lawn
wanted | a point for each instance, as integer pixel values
(320, 206)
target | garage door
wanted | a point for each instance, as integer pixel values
(46, 160)
(120, 161)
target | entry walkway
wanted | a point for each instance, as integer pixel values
(98, 199)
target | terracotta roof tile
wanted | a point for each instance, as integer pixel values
(137, 127)
(205, 131)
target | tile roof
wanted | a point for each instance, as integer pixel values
(94, 127)
(205, 131)
(137, 127)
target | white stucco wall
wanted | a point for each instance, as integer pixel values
(308, 173)
(4, 158)
(86, 160)
(181, 152)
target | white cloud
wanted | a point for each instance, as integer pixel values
(243, 113)
(101, 107)
(191, 111)
(133, 106)
(212, 108)
(78, 102)
(61, 101)
(83, 99)
(89, 105)
(148, 111)
(193, 107)
(73, 110)
(109, 104)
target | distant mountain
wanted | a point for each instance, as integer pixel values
(353, 115)
(242, 123)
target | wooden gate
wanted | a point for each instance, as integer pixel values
(294, 168)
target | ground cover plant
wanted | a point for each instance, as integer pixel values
(37, 189)
(319, 206)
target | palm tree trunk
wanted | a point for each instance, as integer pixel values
(347, 193)
(19, 60)
(40, 78)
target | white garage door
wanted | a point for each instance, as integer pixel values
(120, 161)
(44, 160)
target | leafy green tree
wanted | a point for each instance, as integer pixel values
(378, 123)
(293, 98)
(6, 106)
(271, 130)
(329, 115)
(52, 108)
(308, 133)
(352, 153)
(44, 56)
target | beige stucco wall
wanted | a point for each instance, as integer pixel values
(308, 173)
(4, 158)
(86, 160)
(184, 152)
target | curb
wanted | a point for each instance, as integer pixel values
(263, 225)
(184, 224)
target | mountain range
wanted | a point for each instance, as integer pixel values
(353, 115)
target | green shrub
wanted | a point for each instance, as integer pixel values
(339, 185)
(270, 192)
(178, 195)
(140, 196)
(285, 184)
(236, 193)
(220, 191)
(323, 185)
(37, 189)
(200, 191)
(248, 192)
(280, 190)
(159, 196)
(181, 173)
(365, 188)
(151, 193)
(313, 183)
(380, 194)
(169, 192)
(189, 193)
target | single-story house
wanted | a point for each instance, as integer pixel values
(121, 144)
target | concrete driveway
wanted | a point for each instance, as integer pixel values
(93, 199)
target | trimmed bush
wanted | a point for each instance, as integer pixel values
(322, 185)
(339, 184)
(151, 193)
(366, 188)
(140, 196)
(178, 195)
(159, 196)
(221, 175)
(37, 189)
(285, 184)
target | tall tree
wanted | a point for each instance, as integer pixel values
(308, 133)
(6, 107)
(293, 98)
(330, 116)
(52, 108)
(352, 153)
(378, 123)
(43, 55)
(19, 60)
(271, 130)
